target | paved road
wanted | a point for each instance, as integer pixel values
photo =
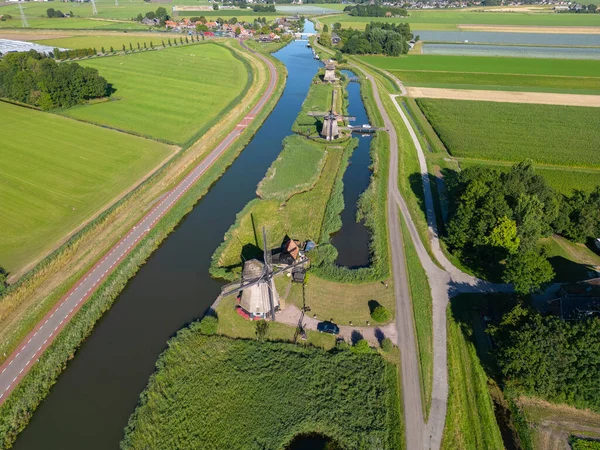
(31, 348)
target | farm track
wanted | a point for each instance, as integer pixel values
(541, 98)
(18, 364)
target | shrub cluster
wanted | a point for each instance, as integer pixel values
(380, 314)
(37, 80)
(378, 38)
(550, 358)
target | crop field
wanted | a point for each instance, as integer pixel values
(72, 24)
(56, 173)
(547, 134)
(296, 169)
(244, 393)
(244, 15)
(300, 218)
(564, 179)
(487, 65)
(494, 81)
(470, 422)
(173, 94)
(430, 20)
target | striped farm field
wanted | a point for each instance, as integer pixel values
(56, 173)
(547, 134)
(173, 95)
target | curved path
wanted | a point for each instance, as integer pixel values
(35, 343)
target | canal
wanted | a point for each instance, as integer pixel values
(352, 240)
(90, 404)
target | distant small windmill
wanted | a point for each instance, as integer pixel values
(23, 17)
(330, 130)
(263, 282)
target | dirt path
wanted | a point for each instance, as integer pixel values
(541, 98)
(291, 315)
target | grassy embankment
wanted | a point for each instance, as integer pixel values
(244, 393)
(116, 40)
(495, 73)
(452, 19)
(37, 292)
(470, 421)
(65, 173)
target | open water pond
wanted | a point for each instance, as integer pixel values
(511, 50)
(485, 37)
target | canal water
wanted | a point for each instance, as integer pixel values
(352, 240)
(90, 404)
(93, 398)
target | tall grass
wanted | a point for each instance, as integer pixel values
(245, 394)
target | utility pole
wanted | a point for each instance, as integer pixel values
(23, 18)
(116, 2)
(94, 10)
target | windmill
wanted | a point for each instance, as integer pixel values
(257, 283)
(330, 130)
(23, 17)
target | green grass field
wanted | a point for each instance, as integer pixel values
(564, 179)
(56, 173)
(571, 261)
(488, 65)
(505, 82)
(173, 94)
(470, 422)
(245, 394)
(547, 134)
(449, 19)
(73, 24)
(318, 99)
(296, 169)
(101, 40)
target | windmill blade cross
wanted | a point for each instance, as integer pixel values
(241, 287)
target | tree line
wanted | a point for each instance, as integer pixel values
(377, 38)
(496, 220)
(548, 357)
(375, 11)
(37, 80)
(160, 15)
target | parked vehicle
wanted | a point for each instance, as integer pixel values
(328, 327)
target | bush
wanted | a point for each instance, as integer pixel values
(380, 314)
(361, 347)
(387, 345)
(209, 325)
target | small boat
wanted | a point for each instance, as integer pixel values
(308, 45)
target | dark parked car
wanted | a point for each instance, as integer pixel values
(328, 327)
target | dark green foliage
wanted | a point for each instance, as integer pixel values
(3, 284)
(242, 394)
(550, 358)
(54, 14)
(581, 216)
(494, 215)
(263, 8)
(387, 345)
(262, 328)
(380, 314)
(362, 347)
(528, 271)
(208, 325)
(578, 443)
(103, 50)
(386, 38)
(374, 11)
(37, 80)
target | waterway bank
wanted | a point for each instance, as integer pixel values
(93, 398)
